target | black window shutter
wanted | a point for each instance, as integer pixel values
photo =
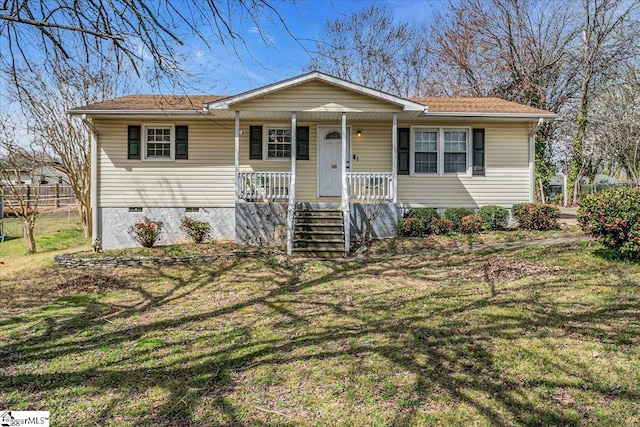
(133, 142)
(302, 137)
(403, 151)
(255, 142)
(182, 142)
(478, 151)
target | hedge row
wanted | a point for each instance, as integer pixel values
(424, 221)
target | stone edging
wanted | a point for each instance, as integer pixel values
(74, 261)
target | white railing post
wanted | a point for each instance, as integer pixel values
(394, 159)
(368, 186)
(269, 186)
(291, 210)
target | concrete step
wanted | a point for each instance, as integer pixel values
(320, 233)
(319, 213)
(318, 253)
(319, 228)
(319, 244)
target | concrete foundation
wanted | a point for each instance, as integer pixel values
(261, 223)
(115, 224)
(373, 220)
(249, 223)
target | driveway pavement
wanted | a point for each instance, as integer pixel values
(568, 216)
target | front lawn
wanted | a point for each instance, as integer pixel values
(539, 335)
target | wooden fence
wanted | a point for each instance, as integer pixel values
(47, 196)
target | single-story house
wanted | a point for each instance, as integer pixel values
(313, 161)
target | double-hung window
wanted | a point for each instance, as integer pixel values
(278, 143)
(426, 151)
(440, 151)
(455, 151)
(158, 142)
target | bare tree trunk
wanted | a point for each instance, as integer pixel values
(29, 225)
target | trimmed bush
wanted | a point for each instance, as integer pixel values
(147, 232)
(536, 216)
(515, 209)
(197, 230)
(455, 215)
(425, 216)
(470, 224)
(440, 226)
(613, 217)
(493, 217)
(409, 227)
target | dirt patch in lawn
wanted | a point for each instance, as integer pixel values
(93, 283)
(501, 268)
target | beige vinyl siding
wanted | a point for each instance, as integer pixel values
(313, 96)
(506, 180)
(205, 179)
(373, 149)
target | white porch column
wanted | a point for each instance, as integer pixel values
(394, 157)
(345, 188)
(291, 211)
(93, 196)
(236, 141)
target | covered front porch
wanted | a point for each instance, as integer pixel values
(349, 187)
(314, 142)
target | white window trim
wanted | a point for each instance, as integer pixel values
(440, 155)
(172, 141)
(265, 142)
(412, 151)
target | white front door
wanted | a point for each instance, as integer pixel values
(330, 160)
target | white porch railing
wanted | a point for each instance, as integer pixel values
(263, 186)
(370, 186)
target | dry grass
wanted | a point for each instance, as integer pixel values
(548, 336)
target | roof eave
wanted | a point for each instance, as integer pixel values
(137, 112)
(494, 115)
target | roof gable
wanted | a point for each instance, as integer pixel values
(329, 88)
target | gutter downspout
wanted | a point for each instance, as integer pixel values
(532, 160)
(93, 132)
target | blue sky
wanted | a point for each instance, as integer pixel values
(282, 56)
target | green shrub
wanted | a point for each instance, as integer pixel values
(470, 224)
(440, 226)
(455, 215)
(516, 208)
(613, 217)
(536, 216)
(493, 217)
(147, 232)
(425, 216)
(409, 227)
(197, 230)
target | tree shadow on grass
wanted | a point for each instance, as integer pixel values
(272, 315)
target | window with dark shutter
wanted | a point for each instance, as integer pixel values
(302, 137)
(403, 151)
(255, 142)
(133, 142)
(478, 151)
(182, 142)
